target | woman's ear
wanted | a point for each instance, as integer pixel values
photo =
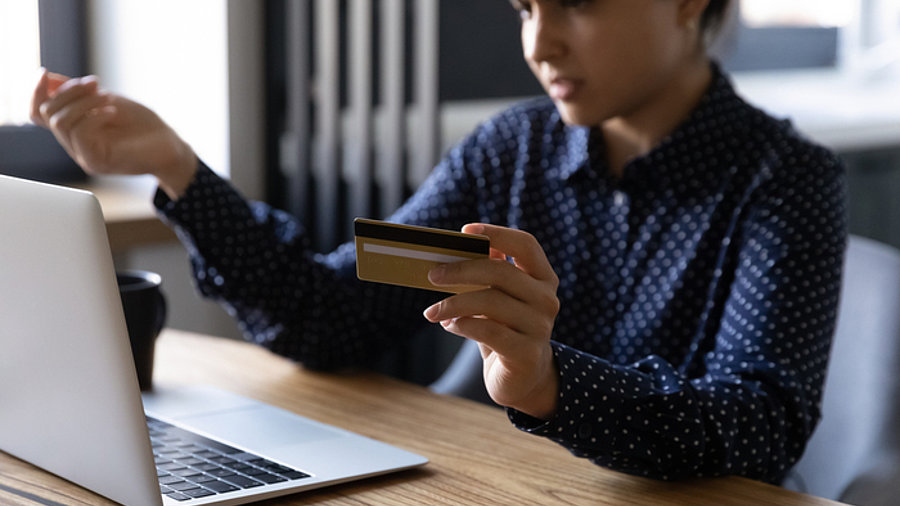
(690, 12)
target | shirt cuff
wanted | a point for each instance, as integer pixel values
(577, 420)
(206, 191)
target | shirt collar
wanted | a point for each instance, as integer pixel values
(577, 150)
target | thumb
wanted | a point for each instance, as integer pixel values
(46, 87)
(40, 95)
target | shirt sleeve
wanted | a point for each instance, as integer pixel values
(257, 262)
(757, 401)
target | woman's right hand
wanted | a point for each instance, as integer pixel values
(109, 134)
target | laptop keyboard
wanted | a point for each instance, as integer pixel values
(191, 466)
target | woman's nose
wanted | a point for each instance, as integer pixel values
(541, 36)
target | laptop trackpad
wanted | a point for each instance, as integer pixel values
(260, 428)
(234, 419)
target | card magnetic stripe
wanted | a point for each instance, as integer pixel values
(422, 237)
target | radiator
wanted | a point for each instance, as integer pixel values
(351, 157)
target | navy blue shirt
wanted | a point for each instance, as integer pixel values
(698, 291)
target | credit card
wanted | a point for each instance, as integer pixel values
(403, 254)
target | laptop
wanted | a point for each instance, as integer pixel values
(69, 396)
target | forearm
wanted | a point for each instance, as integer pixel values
(649, 420)
(256, 262)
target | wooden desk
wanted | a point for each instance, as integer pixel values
(128, 210)
(476, 456)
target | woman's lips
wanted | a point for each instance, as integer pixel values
(563, 89)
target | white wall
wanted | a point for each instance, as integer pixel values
(170, 55)
(198, 64)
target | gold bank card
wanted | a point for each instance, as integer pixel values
(403, 254)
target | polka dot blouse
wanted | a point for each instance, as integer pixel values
(698, 291)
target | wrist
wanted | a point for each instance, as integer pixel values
(175, 177)
(542, 402)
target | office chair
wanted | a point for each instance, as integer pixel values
(463, 377)
(854, 454)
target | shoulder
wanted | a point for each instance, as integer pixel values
(778, 150)
(797, 186)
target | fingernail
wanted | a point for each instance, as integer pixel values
(436, 274)
(476, 228)
(431, 312)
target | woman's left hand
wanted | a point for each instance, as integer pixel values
(512, 320)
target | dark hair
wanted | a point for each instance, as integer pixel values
(713, 16)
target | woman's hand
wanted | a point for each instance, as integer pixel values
(108, 134)
(512, 320)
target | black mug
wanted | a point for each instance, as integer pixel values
(145, 315)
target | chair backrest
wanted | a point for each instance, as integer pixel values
(463, 377)
(855, 449)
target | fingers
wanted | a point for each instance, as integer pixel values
(75, 104)
(54, 81)
(498, 274)
(521, 300)
(512, 313)
(39, 96)
(45, 89)
(68, 92)
(490, 335)
(66, 119)
(518, 244)
(539, 281)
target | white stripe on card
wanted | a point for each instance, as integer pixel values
(411, 253)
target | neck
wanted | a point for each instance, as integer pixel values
(634, 134)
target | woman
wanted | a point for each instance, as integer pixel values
(677, 253)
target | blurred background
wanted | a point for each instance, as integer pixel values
(339, 108)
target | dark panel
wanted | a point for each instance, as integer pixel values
(481, 52)
(31, 152)
(63, 43)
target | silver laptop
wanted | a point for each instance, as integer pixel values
(69, 397)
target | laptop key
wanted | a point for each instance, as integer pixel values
(165, 480)
(182, 486)
(277, 468)
(190, 461)
(220, 472)
(187, 473)
(203, 478)
(239, 467)
(198, 492)
(178, 496)
(242, 481)
(220, 486)
(223, 460)
(268, 478)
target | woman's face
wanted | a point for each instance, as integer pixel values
(599, 59)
